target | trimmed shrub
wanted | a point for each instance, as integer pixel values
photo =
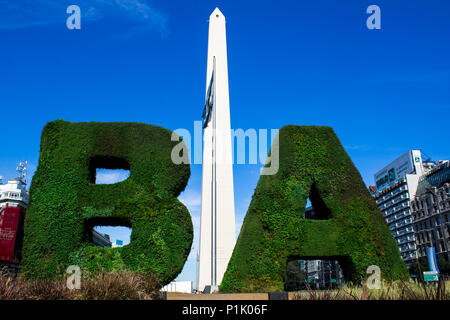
(65, 202)
(350, 227)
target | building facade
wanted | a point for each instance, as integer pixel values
(396, 186)
(431, 212)
(13, 204)
(14, 193)
(178, 286)
(322, 274)
(101, 239)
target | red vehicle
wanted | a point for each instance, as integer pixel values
(11, 237)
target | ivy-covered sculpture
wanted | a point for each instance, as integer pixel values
(349, 227)
(65, 202)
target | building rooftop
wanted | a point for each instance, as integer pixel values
(435, 178)
(390, 188)
(14, 193)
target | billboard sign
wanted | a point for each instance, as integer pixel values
(432, 263)
(9, 222)
(395, 171)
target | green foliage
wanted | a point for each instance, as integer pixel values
(313, 164)
(65, 202)
(444, 266)
(417, 267)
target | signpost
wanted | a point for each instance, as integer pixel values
(430, 276)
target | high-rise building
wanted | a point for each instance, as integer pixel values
(396, 186)
(321, 274)
(431, 212)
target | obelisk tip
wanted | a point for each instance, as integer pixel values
(217, 13)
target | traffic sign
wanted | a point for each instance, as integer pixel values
(430, 276)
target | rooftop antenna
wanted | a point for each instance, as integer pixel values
(22, 170)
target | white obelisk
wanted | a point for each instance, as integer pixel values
(217, 227)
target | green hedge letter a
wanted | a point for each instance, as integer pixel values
(347, 225)
(66, 203)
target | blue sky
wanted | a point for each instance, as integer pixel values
(290, 62)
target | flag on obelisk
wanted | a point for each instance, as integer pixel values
(207, 110)
(217, 227)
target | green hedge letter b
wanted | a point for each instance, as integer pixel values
(347, 225)
(65, 202)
